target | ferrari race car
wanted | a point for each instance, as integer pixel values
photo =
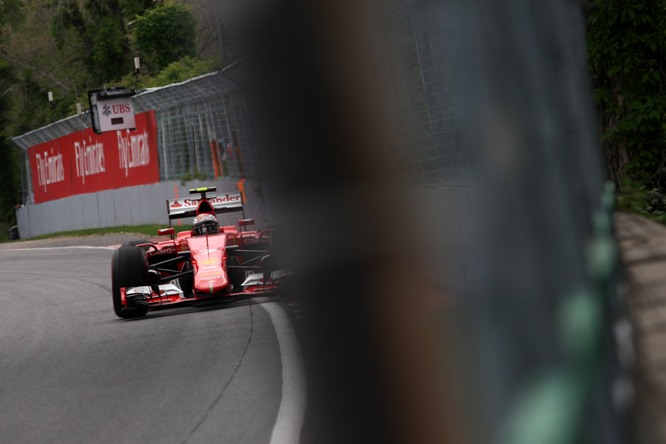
(207, 263)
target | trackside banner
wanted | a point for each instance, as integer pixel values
(85, 162)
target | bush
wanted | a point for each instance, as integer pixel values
(642, 200)
(165, 34)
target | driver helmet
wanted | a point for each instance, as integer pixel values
(205, 224)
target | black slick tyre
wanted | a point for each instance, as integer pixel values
(236, 278)
(137, 242)
(128, 269)
(187, 282)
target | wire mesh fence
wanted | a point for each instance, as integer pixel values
(203, 130)
(426, 100)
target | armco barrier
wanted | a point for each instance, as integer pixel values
(138, 205)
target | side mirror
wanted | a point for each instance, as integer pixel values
(245, 222)
(166, 231)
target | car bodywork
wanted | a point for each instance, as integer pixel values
(189, 268)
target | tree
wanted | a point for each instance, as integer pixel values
(70, 46)
(99, 29)
(10, 15)
(110, 57)
(627, 50)
(165, 34)
(133, 8)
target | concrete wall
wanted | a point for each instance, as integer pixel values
(127, 206)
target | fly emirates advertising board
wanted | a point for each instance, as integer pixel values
(85, 162)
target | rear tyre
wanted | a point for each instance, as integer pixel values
(128, 269)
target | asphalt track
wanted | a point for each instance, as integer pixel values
(70, 371)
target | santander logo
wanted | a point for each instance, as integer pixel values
(216, 201)
(228, 198)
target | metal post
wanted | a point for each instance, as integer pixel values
(220, 34)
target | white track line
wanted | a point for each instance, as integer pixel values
(287, 428)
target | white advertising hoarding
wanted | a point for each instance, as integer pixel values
(112, 110)
(116, 114)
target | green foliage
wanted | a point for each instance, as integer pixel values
(165, 34)
(195, 175)
(627, 50)
(99, 29)
(70, 46)
(133, 8)
(181, 70)
(11, 12)
(34, 110)
(67, 18)
(648, 202)
(108, 58)
(9, 159)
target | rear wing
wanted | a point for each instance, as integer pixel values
(187, 206)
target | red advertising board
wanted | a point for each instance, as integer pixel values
(85, 162)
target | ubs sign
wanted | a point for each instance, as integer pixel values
(112, 110)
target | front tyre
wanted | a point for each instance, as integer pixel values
(187, 282)
(146, 244)
(128, 269)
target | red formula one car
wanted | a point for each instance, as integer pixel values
(207, 263)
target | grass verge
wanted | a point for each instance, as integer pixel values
(146, 230)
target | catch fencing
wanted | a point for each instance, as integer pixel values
(203, 128)
(203, 137)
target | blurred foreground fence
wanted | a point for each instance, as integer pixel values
(507, 165)
(501, 151)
